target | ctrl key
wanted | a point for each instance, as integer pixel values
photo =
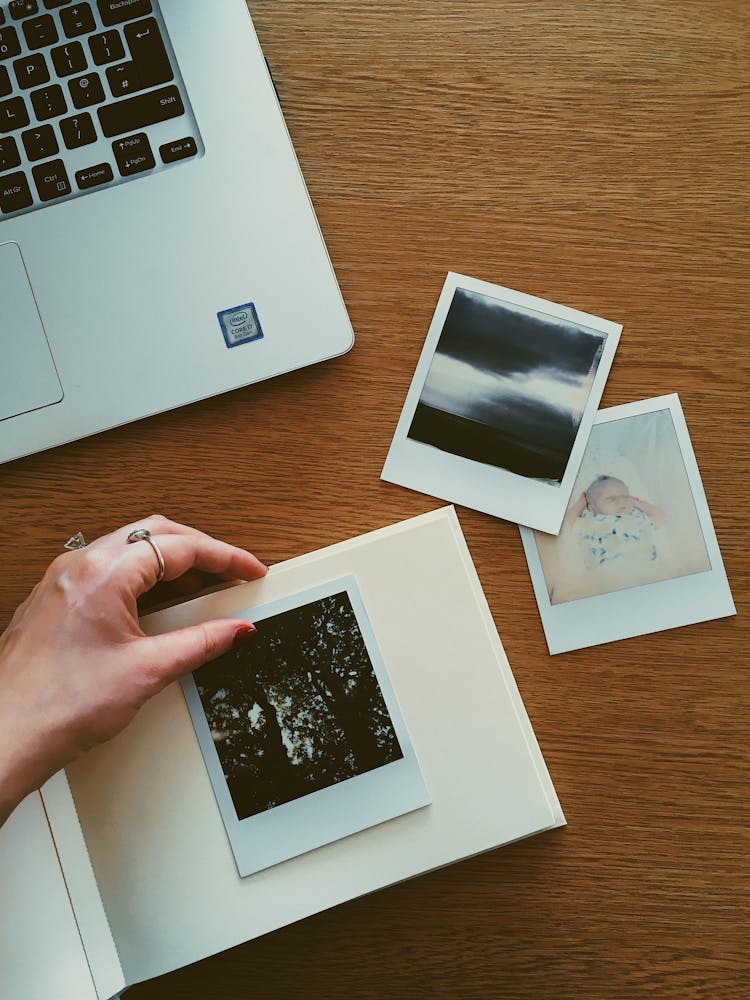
(15, 192)
(51, 180)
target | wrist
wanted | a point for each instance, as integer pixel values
(15, 777)
(21, 757)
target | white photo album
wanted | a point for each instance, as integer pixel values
(300, 730)
(502, 402)
(637, 552)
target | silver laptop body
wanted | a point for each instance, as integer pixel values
(157, 242)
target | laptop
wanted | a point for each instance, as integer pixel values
(157, 241)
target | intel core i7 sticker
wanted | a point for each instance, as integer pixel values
(240, 325)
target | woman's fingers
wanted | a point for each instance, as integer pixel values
(155, 523)
(174, 654)
(186, 552)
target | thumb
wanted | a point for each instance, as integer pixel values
(177, 653)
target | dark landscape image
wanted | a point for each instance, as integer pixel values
(507, 387)
(298, 710)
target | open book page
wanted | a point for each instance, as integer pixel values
(41, 953)
(510, 681)
(163, 863)
(93, 927)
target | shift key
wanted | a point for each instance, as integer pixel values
(138, 112)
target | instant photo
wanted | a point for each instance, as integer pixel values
(502, 402)
(637, 552)
(300, 730)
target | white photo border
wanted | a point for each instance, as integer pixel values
(482, 487)
(652, 607)
(331, 813)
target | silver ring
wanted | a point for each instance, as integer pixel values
(77, 541)
(144, 535)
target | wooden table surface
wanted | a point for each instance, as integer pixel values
(593, 153)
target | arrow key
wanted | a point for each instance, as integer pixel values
(133, 154)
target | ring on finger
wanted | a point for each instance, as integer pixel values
(144, 535)
(77, 541)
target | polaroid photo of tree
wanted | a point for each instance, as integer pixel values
(637, 552)
(301, 732)
(502, 402)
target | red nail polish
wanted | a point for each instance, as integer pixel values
(243, 636)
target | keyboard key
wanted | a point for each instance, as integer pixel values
(40, 142)
(15, 192)
(78, 130)
(179, 149)
(94, 176)
(51, 180)
(69, 59)
(149, 65)
(51, 4)
(117, 11)
(77, 20)
(40, 32)
(133, 154)
(148, 52)
(123, 79)
(13, 114)
(31, 71)
(2, 16)
(9, 44)
(22, 8)
(106, 48)
(9, 155)
(138, 112)
(5, 85)
(86, 90)
(49, 102)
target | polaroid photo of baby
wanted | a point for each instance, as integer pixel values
(300, 730)
(637, 552)
(502, 402)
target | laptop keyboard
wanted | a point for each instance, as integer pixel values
(90, 96)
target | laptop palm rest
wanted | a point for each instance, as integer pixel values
(28, 377)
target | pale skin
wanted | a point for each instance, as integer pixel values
(614, 498)
(75, 666)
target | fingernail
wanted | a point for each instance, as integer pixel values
(243, 636)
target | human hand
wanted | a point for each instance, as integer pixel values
(75, 666)
(654, 513)
(578, 507)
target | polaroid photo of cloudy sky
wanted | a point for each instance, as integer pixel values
(507, 387)
(502, 402)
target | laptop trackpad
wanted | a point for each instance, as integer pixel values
(28, 379)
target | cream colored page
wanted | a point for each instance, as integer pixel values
(161, 857)
(41, 954)
(510, 681)
(82, 888)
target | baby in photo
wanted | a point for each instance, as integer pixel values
(636, 552)
(632, 520)
(611, 524)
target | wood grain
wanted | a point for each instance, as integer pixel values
(593, 153)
